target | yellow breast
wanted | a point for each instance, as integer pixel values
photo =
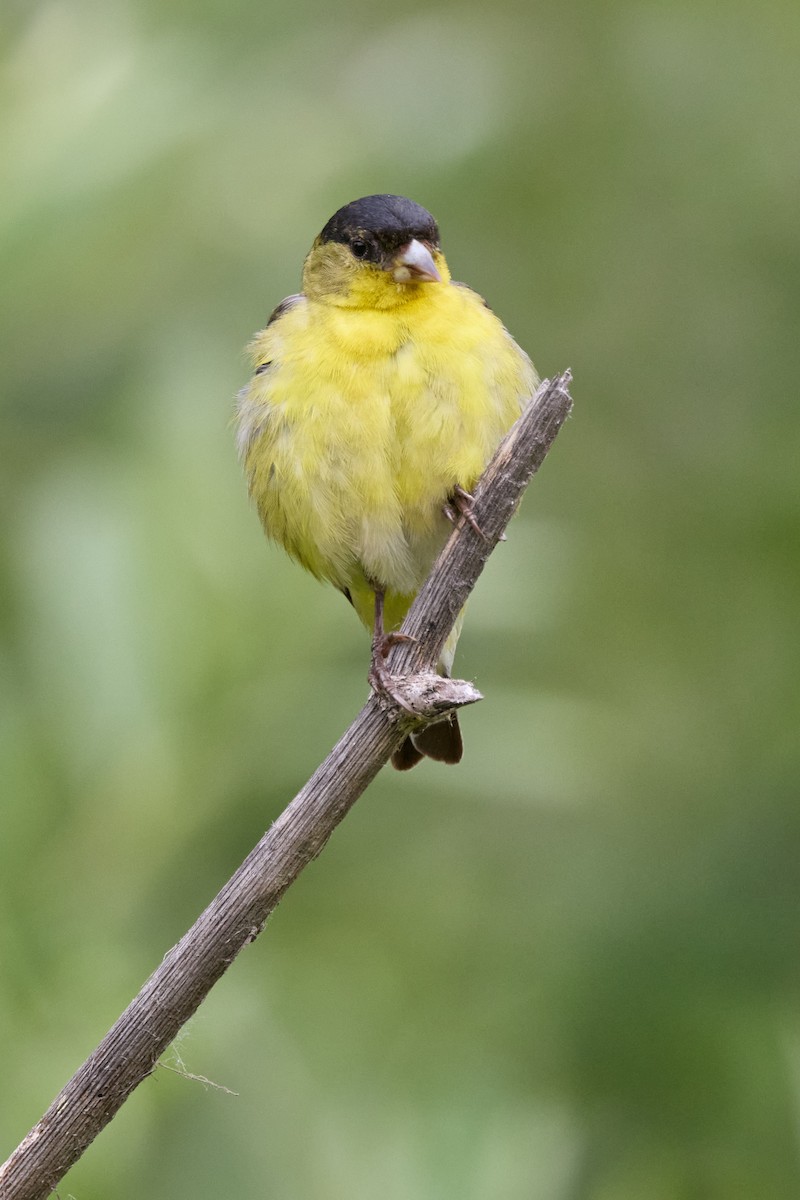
(364, 421)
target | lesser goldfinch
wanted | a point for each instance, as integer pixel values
(379, 395)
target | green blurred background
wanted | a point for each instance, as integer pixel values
(568, 968)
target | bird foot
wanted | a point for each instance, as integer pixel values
(385, 642)
(379, 678)
(460, 506)
(382, 682)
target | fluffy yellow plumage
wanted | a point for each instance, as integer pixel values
(378, 392)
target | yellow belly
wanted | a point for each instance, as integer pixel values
(362, 425)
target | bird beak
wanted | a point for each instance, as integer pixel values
(414, 262)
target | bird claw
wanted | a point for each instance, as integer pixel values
(384, 644)
(382, 682)
(460, 505)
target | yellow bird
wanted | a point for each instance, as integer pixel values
(380, 393)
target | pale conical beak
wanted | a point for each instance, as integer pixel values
(414, 262)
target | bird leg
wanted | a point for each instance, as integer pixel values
(379, 678)
(460, 505)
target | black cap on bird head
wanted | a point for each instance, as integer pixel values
(394, 220)
(390, 232)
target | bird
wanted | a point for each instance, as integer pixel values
(378, 395)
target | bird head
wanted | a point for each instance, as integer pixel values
(377, 252)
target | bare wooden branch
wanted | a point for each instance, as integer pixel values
(130, 1050)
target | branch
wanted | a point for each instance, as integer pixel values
(130, 1050)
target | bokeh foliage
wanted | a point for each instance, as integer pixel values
(567, 969)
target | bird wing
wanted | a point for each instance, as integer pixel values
(252, 413)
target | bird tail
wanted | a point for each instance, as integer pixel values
(441, 742)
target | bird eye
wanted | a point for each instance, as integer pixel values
(359, 247)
